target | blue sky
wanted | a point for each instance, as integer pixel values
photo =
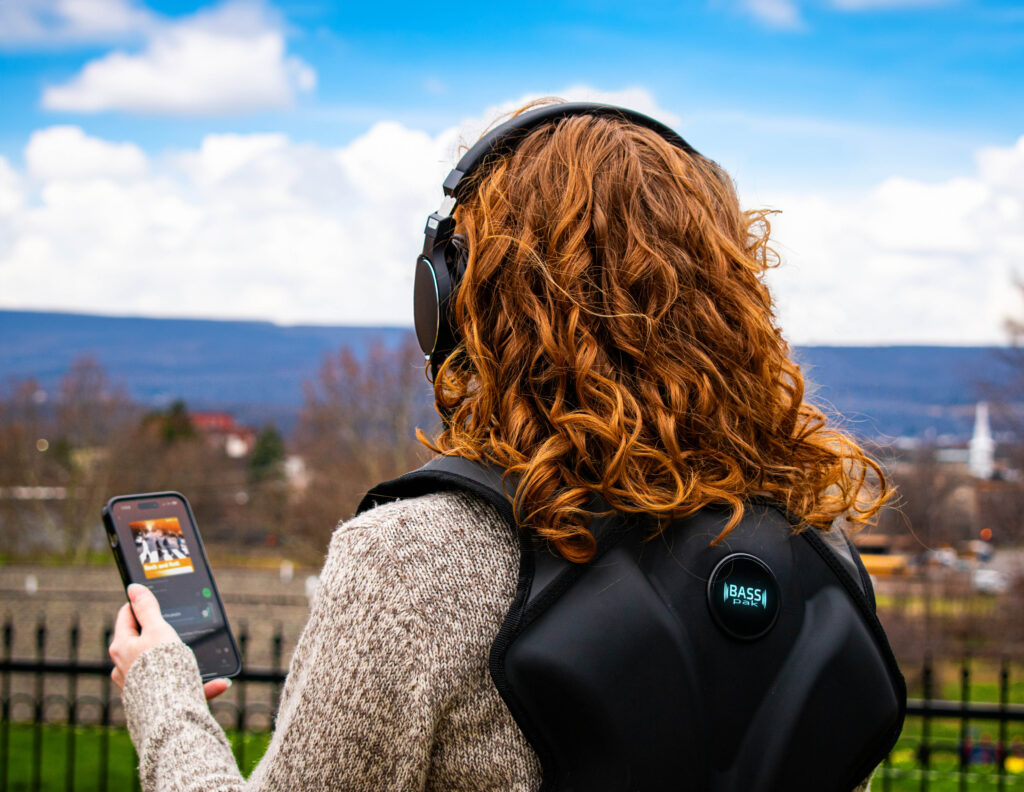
(832, 108)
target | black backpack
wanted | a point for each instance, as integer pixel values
(754, 665)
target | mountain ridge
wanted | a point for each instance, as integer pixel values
(257, 369)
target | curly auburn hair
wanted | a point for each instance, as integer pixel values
(617, 338)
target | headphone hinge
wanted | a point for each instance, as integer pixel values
(439, 227)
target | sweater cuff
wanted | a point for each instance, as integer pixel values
(163, 679)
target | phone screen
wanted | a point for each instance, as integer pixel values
(160, 548)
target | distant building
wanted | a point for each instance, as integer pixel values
(981, 453)
(295, 472)
(222, 430)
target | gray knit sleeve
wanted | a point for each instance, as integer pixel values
(356, 709)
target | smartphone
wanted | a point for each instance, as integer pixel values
(156, 543)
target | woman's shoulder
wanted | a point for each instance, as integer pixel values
(440, 521)
(445, 549)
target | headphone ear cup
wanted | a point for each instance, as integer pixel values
(446, 265)
(426, 305)
(432, 301)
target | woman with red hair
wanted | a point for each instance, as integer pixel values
(612, 341)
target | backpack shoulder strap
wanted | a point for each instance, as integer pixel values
(446, 474)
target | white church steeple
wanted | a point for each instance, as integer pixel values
(980, 459)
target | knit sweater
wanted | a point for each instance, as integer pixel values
(388, 687)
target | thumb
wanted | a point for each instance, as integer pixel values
(144, 605)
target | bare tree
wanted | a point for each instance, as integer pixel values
(25, 424)
(357, 428)
(61, 458)
(54, 454)
(930, 508)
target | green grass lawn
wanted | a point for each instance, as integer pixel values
(121, 765)
(910, 781)
(903, 775)
(904, 772)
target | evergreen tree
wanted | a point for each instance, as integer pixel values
(176, 423)
(267, 455)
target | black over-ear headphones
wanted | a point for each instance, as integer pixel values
(440, 266)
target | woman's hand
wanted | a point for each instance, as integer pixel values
(132, 638)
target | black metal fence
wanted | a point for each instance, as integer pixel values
(961, 713)
(42, 731)
(41, 728)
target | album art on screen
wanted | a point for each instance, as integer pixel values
(162, 548)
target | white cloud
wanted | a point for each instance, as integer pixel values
(51, 23)
(260, 226)
(1003, 167)
(907, 261)
(780, 14)
(11, 189)
(64, 153)
(221, 155)
(226, 60)
(786, 14)
(242, 227)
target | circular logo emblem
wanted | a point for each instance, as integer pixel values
(743, 596)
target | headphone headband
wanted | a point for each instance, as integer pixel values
(440, 266)
(505, 137)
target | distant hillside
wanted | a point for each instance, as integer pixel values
(257, 369)
(906, 391)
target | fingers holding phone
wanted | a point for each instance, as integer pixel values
(139, 626)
